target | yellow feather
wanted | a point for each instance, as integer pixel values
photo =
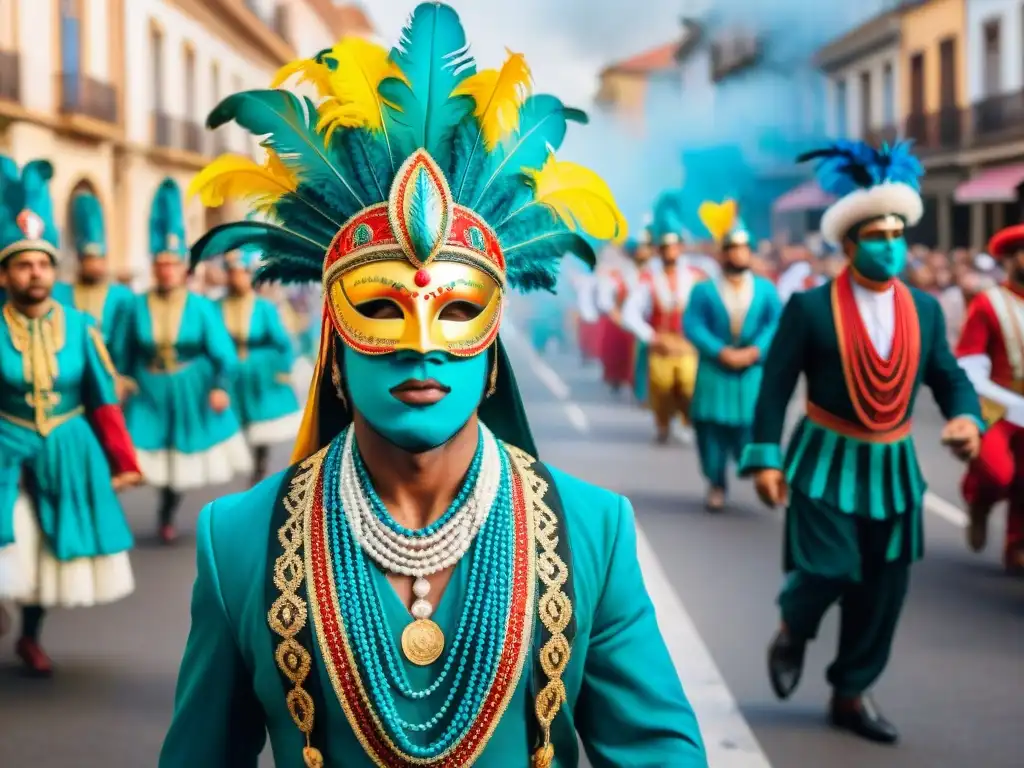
(354, 100)
(235, 177)
(719, 218)
(309, 71)
(580, 198)
(498, 96)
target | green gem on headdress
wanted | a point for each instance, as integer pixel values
(476, 238)
(362, 235)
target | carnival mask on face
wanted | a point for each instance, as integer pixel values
(881, 249)
(398, 394)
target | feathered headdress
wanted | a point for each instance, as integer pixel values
(411, 154)
(723, 222)
(869, 182)
(669, 224)
(167, 221)
(87, 222)
(26, 209)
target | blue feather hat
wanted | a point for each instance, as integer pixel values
(87, 220)
(669, 224)
(26, 209)
(167, 222)
(870, 182)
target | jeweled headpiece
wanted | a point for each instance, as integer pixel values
(26, 209)
(415, 180)
(870, 183)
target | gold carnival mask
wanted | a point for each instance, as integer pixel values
(416, 273)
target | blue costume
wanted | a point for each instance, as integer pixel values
(64, 539)
(738, 311)
(418, 204)
(178, 353)
(109, 304)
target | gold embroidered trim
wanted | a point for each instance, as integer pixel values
(38, 340)
(237, 312)
(91, 299)
(165, 314)
(288, 614)
(46, 427)
(554, 607)
(102, 351)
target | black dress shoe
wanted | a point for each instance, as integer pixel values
(785, 664)
(862, 717)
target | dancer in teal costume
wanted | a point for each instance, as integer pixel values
(181, 361)
(109, 304)
(64, 448)
(731, 322)
(410, 426)
(261, 388)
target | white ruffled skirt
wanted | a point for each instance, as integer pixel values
(31, 575)
(187, 471)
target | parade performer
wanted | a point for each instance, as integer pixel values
(588, 326)
(261, 389)
(109, 304)
(617, 343)
(644, 258)
(865, 343)
(417, 474)
(64, 448)
(654, 314)
(731, 322)
(991, 351)
(181, 363)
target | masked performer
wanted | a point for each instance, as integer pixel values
(181, 362)
(991, 351)
(64, 448)
(109, 304)
(654, 314)
(865, 344)
(731, 322)
(409, 588)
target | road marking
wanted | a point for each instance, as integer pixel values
(577, 417)
(948, 511)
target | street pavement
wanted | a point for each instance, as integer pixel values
(954, 685)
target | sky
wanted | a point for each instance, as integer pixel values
(566, 42)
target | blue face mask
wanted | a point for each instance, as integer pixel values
(415, 428)
(880, 260)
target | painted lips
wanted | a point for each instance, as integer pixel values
(420, 391)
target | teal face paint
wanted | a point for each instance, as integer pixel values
(415, 428)
(880, 260)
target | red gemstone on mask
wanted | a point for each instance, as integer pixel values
(422, 278)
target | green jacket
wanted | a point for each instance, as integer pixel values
(871, 479)
(624, 697)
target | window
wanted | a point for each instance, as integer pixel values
(190, 83)
(865, 104)
(840, 97)
(888, 96)
(71, 41)
(993, 61)
(156, 68)
(947, 73)
(917, 84)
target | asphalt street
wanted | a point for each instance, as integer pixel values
(954, 685)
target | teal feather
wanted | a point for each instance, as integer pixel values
(26, 189)
(291, 209)
(534, 242)
(468, 167)
(166, 218)
(288, 124)
(366, 155)
(35, 181)
(425, 215)
(507, 194)
(434, 57)
(87, 218)
(286, 270)
(291, 250)
(543, 122)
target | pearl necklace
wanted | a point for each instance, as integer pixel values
(419, 556)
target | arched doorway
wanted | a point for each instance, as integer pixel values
(83, 186)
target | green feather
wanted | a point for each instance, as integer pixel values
(534, 242)
(434, 57)
(366, 155)
(286, 270)
(508, 194)
(35, 181)
(274, 241)
(295, 211)
(468, 167)
(287, 124)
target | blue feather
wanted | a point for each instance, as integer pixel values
(288, 124)
(434, 57)
(846, 166)
(542, 127)
(669, 214)
(424, 216)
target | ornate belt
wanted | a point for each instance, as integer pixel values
(46, 426)
(856, 431)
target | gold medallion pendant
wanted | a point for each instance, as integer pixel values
(422, 642)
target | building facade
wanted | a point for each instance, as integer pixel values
(116, 93)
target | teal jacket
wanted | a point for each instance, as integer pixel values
(624, 696)
(722, 395)
(113, 315)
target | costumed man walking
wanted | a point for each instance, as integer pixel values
(731, 322)
(617, 343)
(261, 389)
(588, 327)
(181, 364)
(64, 448)
(417, 477)
(850, 481)
(108, 304)
(991, 351)
(654, 314)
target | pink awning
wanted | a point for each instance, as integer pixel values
(806, 197)
(992, 185)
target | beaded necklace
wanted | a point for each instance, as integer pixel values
(471, 662)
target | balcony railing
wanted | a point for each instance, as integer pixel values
(942, 130)
(10, 76)
(81, 95)
(195, 137)
(998, 117)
